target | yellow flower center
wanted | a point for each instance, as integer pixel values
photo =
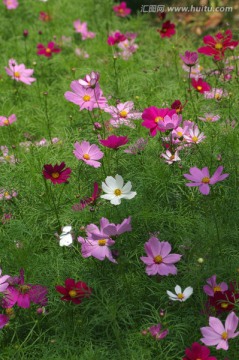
(224, 305)
(158, 259)
(86, 97)
(24, 288)
(117, 192)
(6, 193)
(55, 175)
(123, 113)
(7, 157)
(86, 156)
(209, 118)
(194, 138)
(9, 311)
(48, 51)
(172, 157)
(158, 118)
(17, 74)
(121, 11)
(101, 242)
(224, 335)
(72, 293)
(179, 133)
(216, 288)
(217, 96)
(218, 46)
(199, 88)
(180, 296)
(206, 180)
(6, 122)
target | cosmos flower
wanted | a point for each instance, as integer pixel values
(159, 260)
(3, 282)
(6, 158)
(180, 295)
(7, 195)
(224, 301)
(74, 291)
(200, 85)
(154, 119)
(167, 30)
(6, 121)
(108, 230)
(218, 334)
(194, 71)
(82, 29)
(121, 9)
(90, 80)
(19, 72)
(116, 190)
(56, 174)
(157, 332)
(48, 50)
(100, 249)
(88, 200)
(115, 38)
(216, 94)
(170, 158)
(114, 142)
(213, 287)
(127, 47)
(198, 351)
(193, 136)
(123, 114)
(10, 4)
(4, 319)
(88, 153)
(202, 179)
(189, 58)
(208, 117)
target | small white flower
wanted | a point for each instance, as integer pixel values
(180, 295)
(170, 157)
(116, 190)
(66, 238)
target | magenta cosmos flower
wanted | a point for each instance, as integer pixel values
(217, 46)
(82, 29)
(159, 261)
(19, 72)
(167, 30)
(121, 9)
(88, 153)
(213, 287)
(115, 38)
(88, 200)
(198, 352)
(10, 4)
(200, 85)
(201, 178)
(157, 332)
(217, 334)
(155, 119)
(114, 142)
(57, 174)
(48, 50)
(3, 282)
(74, 291)
(5, 121)
(107, 229)
(189, 58)
(86, 98)
(4, 319)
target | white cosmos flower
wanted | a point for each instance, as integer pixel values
(116, 190)
(180, 295)
(66, 238)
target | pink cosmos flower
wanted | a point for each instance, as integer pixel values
(189, 58)
(48, 50)
(197, 352)
(82, 29)
(137, 147)
(201, 178)
(19, 72)
(121, 9)
(107, 229)
(213, 287)
(170, 157)
(6, 158)
(154, 119)
(127, 47)
(4, 319)
(217, 46)
(115, 38)
(216, 94)
(210, 118)
(123, 114)
(194, 136)
(5, 121)
(88, 153)
(194, 71)
(6, 195)
(157, 332)
(86, 98)
(167, 30)
(97, 248)
(10, 4)
(44, 16)
(159, 261)
(114, 142)
(81, 53)
(88, 200)
(3, 284)
(90, 80)
(217, 334)
(200, 85)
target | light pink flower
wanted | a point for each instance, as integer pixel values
(217, 334)
(213, 287)
(81, 53)
(157, 332)
(88, 153)
(195, 71)
(170, 157)
(128, 48)
(194, 136)
(10, 4)
(123, 114)
(6, 158)
(159, 260)
(216, 94)
(3, 282)
(5, 121)
(210, 117)
(97, 248)
(90, 80)
(107, 229)
(6, 195)
(19, 72)
(81, 28)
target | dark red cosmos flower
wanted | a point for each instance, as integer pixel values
(88, 201)
(43, 16)
(114, 142)
(217, 46)
(56, 173)
(200, 85)
(178, 106)
(48, 50)
(167, 30)
(223, 301)
(74, 291)
(198, 352)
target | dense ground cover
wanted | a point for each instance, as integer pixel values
(124, 300)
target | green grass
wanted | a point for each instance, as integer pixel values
(125, 300)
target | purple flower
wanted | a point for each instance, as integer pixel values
(189, 58)
(4, 319)
(3, 281)
(213, 287)
(157, 332)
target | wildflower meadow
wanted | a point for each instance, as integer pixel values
(119, 160)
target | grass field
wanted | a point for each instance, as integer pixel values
(125, 300)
